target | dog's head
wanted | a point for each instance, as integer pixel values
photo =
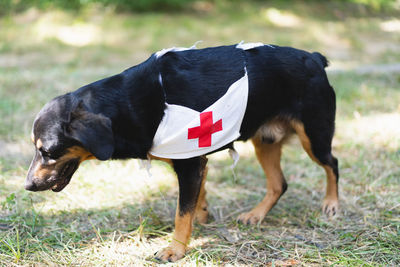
(65, 133)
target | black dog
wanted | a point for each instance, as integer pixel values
(118, 117)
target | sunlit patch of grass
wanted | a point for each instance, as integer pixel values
(365, 93)
(381, 131)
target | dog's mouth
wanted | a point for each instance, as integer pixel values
(65, 175)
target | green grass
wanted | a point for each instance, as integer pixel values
(112, 213)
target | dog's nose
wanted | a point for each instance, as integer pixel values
(31, 186)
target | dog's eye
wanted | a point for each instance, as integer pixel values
(45, 153)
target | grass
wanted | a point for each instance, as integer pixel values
(113, 213)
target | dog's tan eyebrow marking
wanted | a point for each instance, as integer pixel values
(39, 144)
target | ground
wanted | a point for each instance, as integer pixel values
(116, 213)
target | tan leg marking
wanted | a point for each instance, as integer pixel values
(269, 156)
(201, 212)
(330, 205)
(183, 229)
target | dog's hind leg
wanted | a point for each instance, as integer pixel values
(317, 144)
(191, 173)
(269, 156)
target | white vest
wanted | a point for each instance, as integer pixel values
(186, 133)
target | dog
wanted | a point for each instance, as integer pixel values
(265, 93)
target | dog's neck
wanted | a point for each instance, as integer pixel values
(134, 101)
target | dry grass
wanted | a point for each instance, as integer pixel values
(99, 220)
(113, 213)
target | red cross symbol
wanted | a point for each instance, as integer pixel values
(205, 130)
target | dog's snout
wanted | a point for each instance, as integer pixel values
(30, 185)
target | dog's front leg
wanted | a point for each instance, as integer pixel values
(190, 174)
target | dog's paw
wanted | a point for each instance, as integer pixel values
(330, 207)
(170, 254)
(250, 218)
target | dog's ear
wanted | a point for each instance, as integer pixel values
(92, 130)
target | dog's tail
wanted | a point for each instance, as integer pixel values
(322, 61)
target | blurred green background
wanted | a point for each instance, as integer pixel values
(8, 6)
(112, 213)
